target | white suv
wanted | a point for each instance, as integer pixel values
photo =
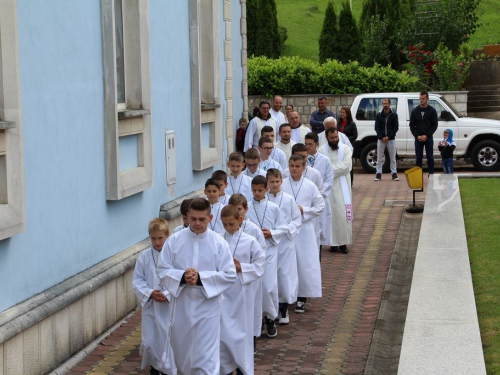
(476, 138)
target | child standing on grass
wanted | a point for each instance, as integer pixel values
(154, 302)
(446, 147)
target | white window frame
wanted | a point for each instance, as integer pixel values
(136, 118)
(204, 158)
(12, 206)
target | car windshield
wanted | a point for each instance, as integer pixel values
(455, 111)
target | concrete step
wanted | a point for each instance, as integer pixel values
(495, 108)
(482, 103)
(473, 94)
(481, 96)
(483, 87)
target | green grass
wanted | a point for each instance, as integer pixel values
(304, 20)
(489, 17)
(481, 208)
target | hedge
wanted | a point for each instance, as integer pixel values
(297, 76)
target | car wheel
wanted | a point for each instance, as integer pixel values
(369, 159)
(485, 156)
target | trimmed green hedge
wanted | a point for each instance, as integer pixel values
(296, 76)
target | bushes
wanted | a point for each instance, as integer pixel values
(295, 76)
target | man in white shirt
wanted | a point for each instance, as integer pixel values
(299, 131)
(275, 111)
(285, 143)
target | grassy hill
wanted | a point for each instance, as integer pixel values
(304, 20)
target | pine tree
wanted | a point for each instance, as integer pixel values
(252, 27)
(348, 41)
(329, 35)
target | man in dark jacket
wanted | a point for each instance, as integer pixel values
(423, 124)
(386, 126)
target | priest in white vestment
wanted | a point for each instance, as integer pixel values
(262, 119)
(340, 198)
(285, 143)
(237, 322)
(196, 267)
(275, 111)
(331, 122)
(311, 204)
(299, 131)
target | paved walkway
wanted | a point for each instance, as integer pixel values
(334, 335)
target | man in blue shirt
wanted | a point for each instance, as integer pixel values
(320, 115)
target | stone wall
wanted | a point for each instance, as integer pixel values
(307, 104)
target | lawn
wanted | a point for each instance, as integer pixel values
(304, 20)
(481, 208)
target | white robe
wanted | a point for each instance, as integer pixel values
(154, 340)
(288, 279)
(287, 149)
(308, 266)
(265, 165)
(324, 167)
(237, 322)
(278, 116)
(195, 311)
(279, 156)
(341, 227)
(216, 223)
(299, 134)
(314, 176)
(252, 135)
(266, 215)
(241, 184)
(342, 138)
(253, 230)
(258, 172)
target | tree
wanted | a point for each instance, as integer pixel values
(328, 36)
(348, 40)
(252, 28)
(263, 33)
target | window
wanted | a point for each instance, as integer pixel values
(205, 86)
(12, 197)
(127, 92)
(413, 103)
(369, 107)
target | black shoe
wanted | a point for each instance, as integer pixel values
(344, 249)
(283, 316)
(154, 371)
(271, 328)
(333, 249)
(300, 308)
(378, 177)
(395, 177)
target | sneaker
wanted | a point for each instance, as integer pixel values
(284, 318)
(395, 177)
(300, 308)
(271, 328)
(344, 249)
(378, 177)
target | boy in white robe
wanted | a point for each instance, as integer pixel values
(184, 214)
(266, 147)
(154, 302)
(277, 154)
(311, 204)
(238, 183)
(196, 267)
(241, 204)
(322, 164)
(267, 216)
(288, 281)
(221, 177)
(237, 321)
(212, 191)
(252, 161)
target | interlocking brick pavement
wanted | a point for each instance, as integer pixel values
(334, 335)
